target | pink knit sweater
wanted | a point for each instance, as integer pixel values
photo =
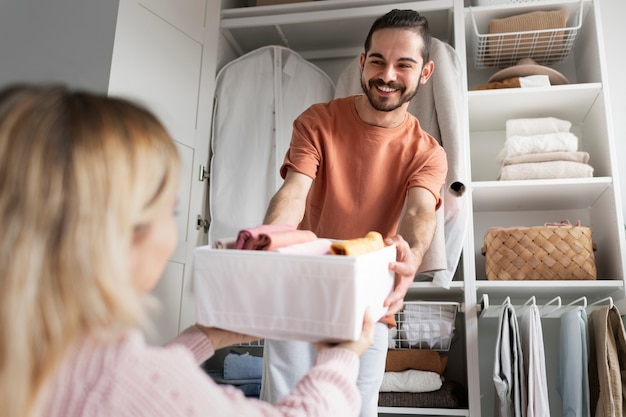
(129, 378)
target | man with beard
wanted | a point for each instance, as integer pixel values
(353, 165)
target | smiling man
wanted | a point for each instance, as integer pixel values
(352, 166)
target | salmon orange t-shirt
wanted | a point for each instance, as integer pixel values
(361, 173)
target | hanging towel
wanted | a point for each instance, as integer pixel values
(440, 113)
(534, 363)
(508, 369)
(607, 358)
(573, 382)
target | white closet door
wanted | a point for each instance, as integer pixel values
(158, 61)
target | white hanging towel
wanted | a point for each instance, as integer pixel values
(508, 369)
(257, 97)
(534, 363)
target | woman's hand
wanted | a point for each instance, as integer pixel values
(221, 338)
(360, 345)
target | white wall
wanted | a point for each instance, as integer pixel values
(614, 34)
(66, 41)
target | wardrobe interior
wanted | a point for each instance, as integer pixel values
(330, 33)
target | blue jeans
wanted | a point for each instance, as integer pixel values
(286, 362)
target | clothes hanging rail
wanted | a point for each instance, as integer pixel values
(550, 309)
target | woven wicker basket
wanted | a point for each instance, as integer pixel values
(551, 252)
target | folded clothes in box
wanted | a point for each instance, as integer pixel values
(290, 297)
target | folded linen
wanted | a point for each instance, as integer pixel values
(582, 157)
(546, 170)
(373, 241)
(245, 236)
(315, 247)
(536, 126)
(419, 359)
(272, 240)
(548, 142)
(410, 381)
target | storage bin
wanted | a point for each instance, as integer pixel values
(291, 297)
(504, 49)
(549, 252)
(425, 325)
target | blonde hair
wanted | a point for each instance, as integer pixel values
(79, 173)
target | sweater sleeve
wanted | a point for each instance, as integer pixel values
(168, 383)
(197, 343)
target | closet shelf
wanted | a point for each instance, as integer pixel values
(345, 25)
(383, 411)
(490, 109)
(550, 194)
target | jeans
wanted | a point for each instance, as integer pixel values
(286, 362)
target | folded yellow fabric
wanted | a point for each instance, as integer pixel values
(373, 241)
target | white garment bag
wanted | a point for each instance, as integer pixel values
(257, 97)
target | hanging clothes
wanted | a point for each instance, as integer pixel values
(573, 381)
(607, 362)
(257, 97)
(508, 367)
(440, 113)
(534, 363)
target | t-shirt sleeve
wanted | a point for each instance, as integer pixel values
(432, 174)
(304, 154)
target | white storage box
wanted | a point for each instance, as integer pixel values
(290, 297)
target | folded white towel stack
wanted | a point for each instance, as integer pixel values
(542, 148)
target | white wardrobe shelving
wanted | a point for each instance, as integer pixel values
(331, 32)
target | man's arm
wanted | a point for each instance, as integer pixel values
(415, 234)
(288, 204)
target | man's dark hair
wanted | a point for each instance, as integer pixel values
(402, 19)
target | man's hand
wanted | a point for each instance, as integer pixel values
(404, 269)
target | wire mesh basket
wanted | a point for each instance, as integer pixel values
(424, 325)
(545, 47)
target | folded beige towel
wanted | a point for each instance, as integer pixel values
(373, 241)
(546, 170)
(582, 157)
(536, 126)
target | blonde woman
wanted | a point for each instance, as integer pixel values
(88, 189)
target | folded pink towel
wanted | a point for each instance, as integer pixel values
(272, 240)
(315, 247)
(582, 157)
(546, 170)
(246, 236)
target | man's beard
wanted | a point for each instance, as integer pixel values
(385, 104)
